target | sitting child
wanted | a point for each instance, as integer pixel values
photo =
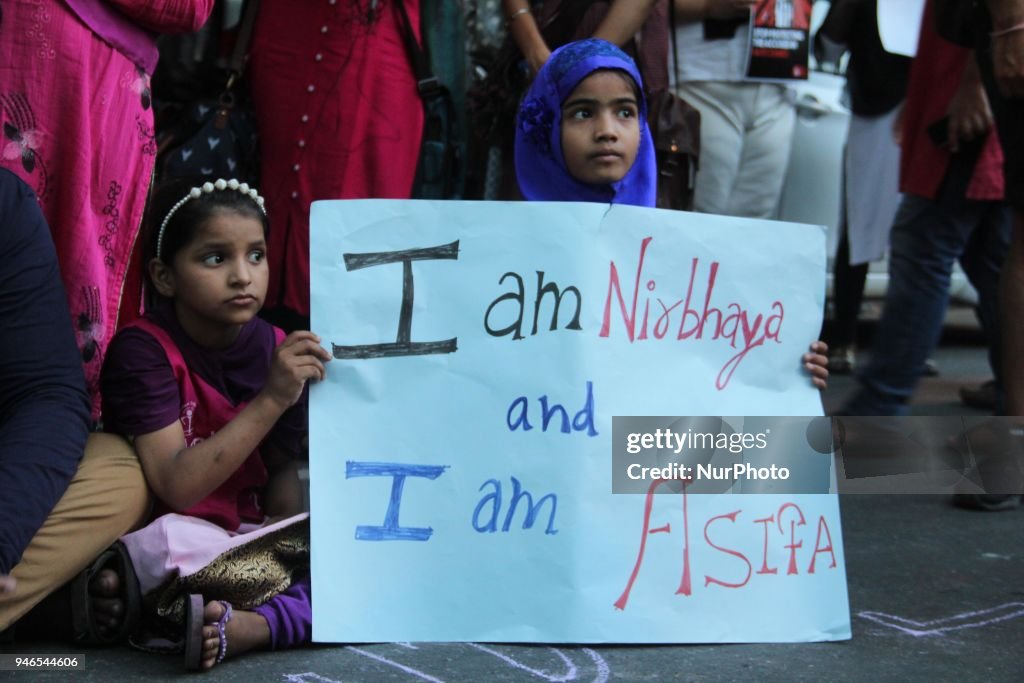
(213, 400)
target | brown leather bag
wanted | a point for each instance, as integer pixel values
(675, 130)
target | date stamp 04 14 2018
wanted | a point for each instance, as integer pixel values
(41, 662)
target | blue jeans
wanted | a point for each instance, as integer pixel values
(928, 236)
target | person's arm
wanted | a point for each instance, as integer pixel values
(44, 407)
(522, 26)
(1008, 45)
(695, 10)
(833, 38)
(166, 16)
(620, 24)
(969, 113)
(623, 20)
(182, 476)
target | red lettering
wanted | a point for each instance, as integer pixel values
(777, 319)
(735, 553)
(647, 311)
(684, 586)
(707, 302)
(687, 311)
(793, 545)
(764, 559)
(613, 283)
(661, 326)
(822, 526)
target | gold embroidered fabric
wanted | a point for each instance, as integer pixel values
(246, 576)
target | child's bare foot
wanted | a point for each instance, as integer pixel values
(243, 631)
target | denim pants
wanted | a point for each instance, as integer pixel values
(928, 236)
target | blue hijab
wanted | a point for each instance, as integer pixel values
(540, 166)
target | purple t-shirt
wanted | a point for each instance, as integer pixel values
(141, 395)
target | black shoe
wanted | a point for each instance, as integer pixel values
(990, 502)
(982, 397)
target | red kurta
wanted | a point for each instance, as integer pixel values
(934, 77)
(339, 117)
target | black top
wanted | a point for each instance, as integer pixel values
(876, 79)
(44, 407)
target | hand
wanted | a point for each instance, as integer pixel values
(969, 113)
(897, 127)
(7, 584)
(816, 363)
(1008, 63)
(298, 359)
(728, 9)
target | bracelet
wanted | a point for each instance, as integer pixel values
(515, 15)
(1005, 31)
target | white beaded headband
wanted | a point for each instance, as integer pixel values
(207, 188)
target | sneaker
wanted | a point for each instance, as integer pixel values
(982, 397)
(841, 360)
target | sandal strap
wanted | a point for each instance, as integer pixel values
(115, 557)
(221, 633)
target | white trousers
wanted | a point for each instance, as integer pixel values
(745, 134)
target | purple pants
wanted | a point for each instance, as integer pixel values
(290, 615)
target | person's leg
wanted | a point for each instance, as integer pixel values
(229, 634)
(927, 237)
(847, 295)
(982, 261)
(766, 143)
(284, 621)
(106, 498)
(1011, 306)
(1009, 118)
(721, 141)
(290, 615)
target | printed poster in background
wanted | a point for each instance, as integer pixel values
(779, 39)
(460, 446)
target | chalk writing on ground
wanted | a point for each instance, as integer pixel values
(956, 622)
(570, 671)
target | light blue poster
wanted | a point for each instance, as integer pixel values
(460, 446)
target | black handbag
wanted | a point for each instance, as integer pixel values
(440, 160)
(215, 136)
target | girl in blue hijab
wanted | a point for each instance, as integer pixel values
(581, 131)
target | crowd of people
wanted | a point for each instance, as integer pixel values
(154, 370)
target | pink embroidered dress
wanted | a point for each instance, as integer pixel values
(76, 124)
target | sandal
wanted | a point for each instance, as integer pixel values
(84, 629)
(67, 614)
(194, 623)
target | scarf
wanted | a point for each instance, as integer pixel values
(540, 166)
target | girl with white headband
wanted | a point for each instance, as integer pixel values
(213, 399)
